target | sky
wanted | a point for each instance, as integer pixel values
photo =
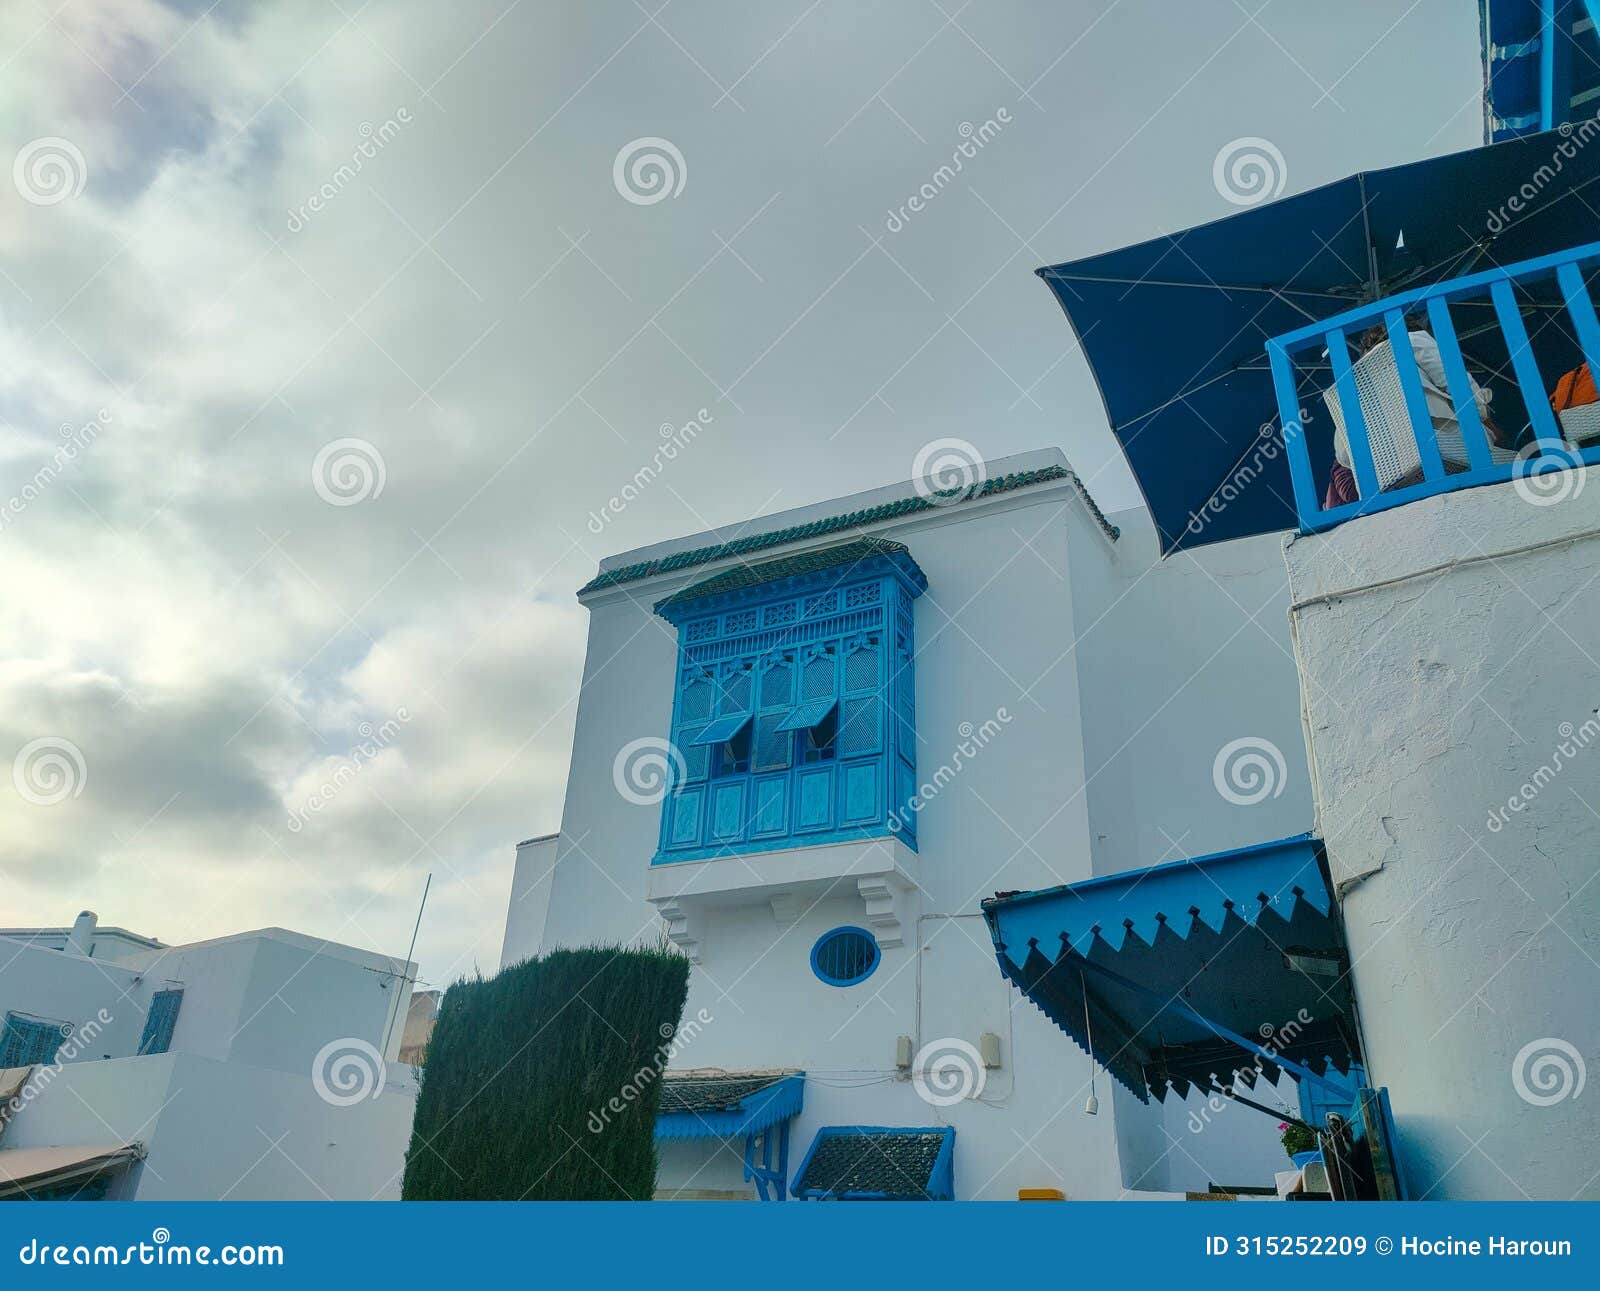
(331, 329)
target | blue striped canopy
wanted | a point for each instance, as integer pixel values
(1133, 966)
(1174, 329)
(1541, 65)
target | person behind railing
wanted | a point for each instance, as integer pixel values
(1441, 411)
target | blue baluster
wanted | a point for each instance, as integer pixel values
(1294, 436)
(1405, 366)
(1455, 371)
(1527, 368)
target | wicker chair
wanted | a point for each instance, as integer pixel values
(1581, 425)
(1389, 431)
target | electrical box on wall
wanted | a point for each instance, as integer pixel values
(989, 1050)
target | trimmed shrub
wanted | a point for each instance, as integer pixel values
(516, 1101)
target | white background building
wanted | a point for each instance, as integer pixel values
(1112, 682)
(269, 1086)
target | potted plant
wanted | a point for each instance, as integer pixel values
(1299, 1141)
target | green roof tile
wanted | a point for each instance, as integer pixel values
(838, 524)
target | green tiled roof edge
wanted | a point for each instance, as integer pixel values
(836, 524)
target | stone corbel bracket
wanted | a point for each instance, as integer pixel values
(682, 927)
(888, 907)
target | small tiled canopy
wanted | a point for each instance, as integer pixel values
(727, 1104)
(878, 1163)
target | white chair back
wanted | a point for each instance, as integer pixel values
(1581, 425)
(1383, 408)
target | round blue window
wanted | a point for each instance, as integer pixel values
(845, 956)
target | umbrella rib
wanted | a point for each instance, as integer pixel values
(1198, 286)
(1366, 233)
(1183, 394)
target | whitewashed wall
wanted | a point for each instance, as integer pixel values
(69, 988)
(257, 1012)
(529, 905)
(227, 1131)
(1449, 650)
(1032, 609)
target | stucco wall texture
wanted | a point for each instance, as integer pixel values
(1448, 658)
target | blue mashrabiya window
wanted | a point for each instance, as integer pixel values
(794, 712)
(26, 1041)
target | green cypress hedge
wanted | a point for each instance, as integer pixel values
(516, 1094)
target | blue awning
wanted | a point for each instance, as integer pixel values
(722, 730)
(1190, 970)
(807, 715)
(1522, 83)
(1175, 328)
(728, 1104)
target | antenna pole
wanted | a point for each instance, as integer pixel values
(417, 927)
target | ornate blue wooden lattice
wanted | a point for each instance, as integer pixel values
(795, 711)
(160, 1021)
(26, 1041)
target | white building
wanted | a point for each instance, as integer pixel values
(1072, 696)
(1449, 655)
(251, 1066)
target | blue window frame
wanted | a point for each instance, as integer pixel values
(795, 706)
(28, 1041)
(160, 1021)
(845, 957)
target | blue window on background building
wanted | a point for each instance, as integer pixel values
(160, 1021)
(794, 715)
(27, 1041)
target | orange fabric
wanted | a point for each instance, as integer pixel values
(1574, 390)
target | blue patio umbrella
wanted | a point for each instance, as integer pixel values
(1174, 329)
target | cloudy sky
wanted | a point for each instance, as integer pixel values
(329, 325)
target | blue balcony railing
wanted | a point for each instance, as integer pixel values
(1409, 438)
